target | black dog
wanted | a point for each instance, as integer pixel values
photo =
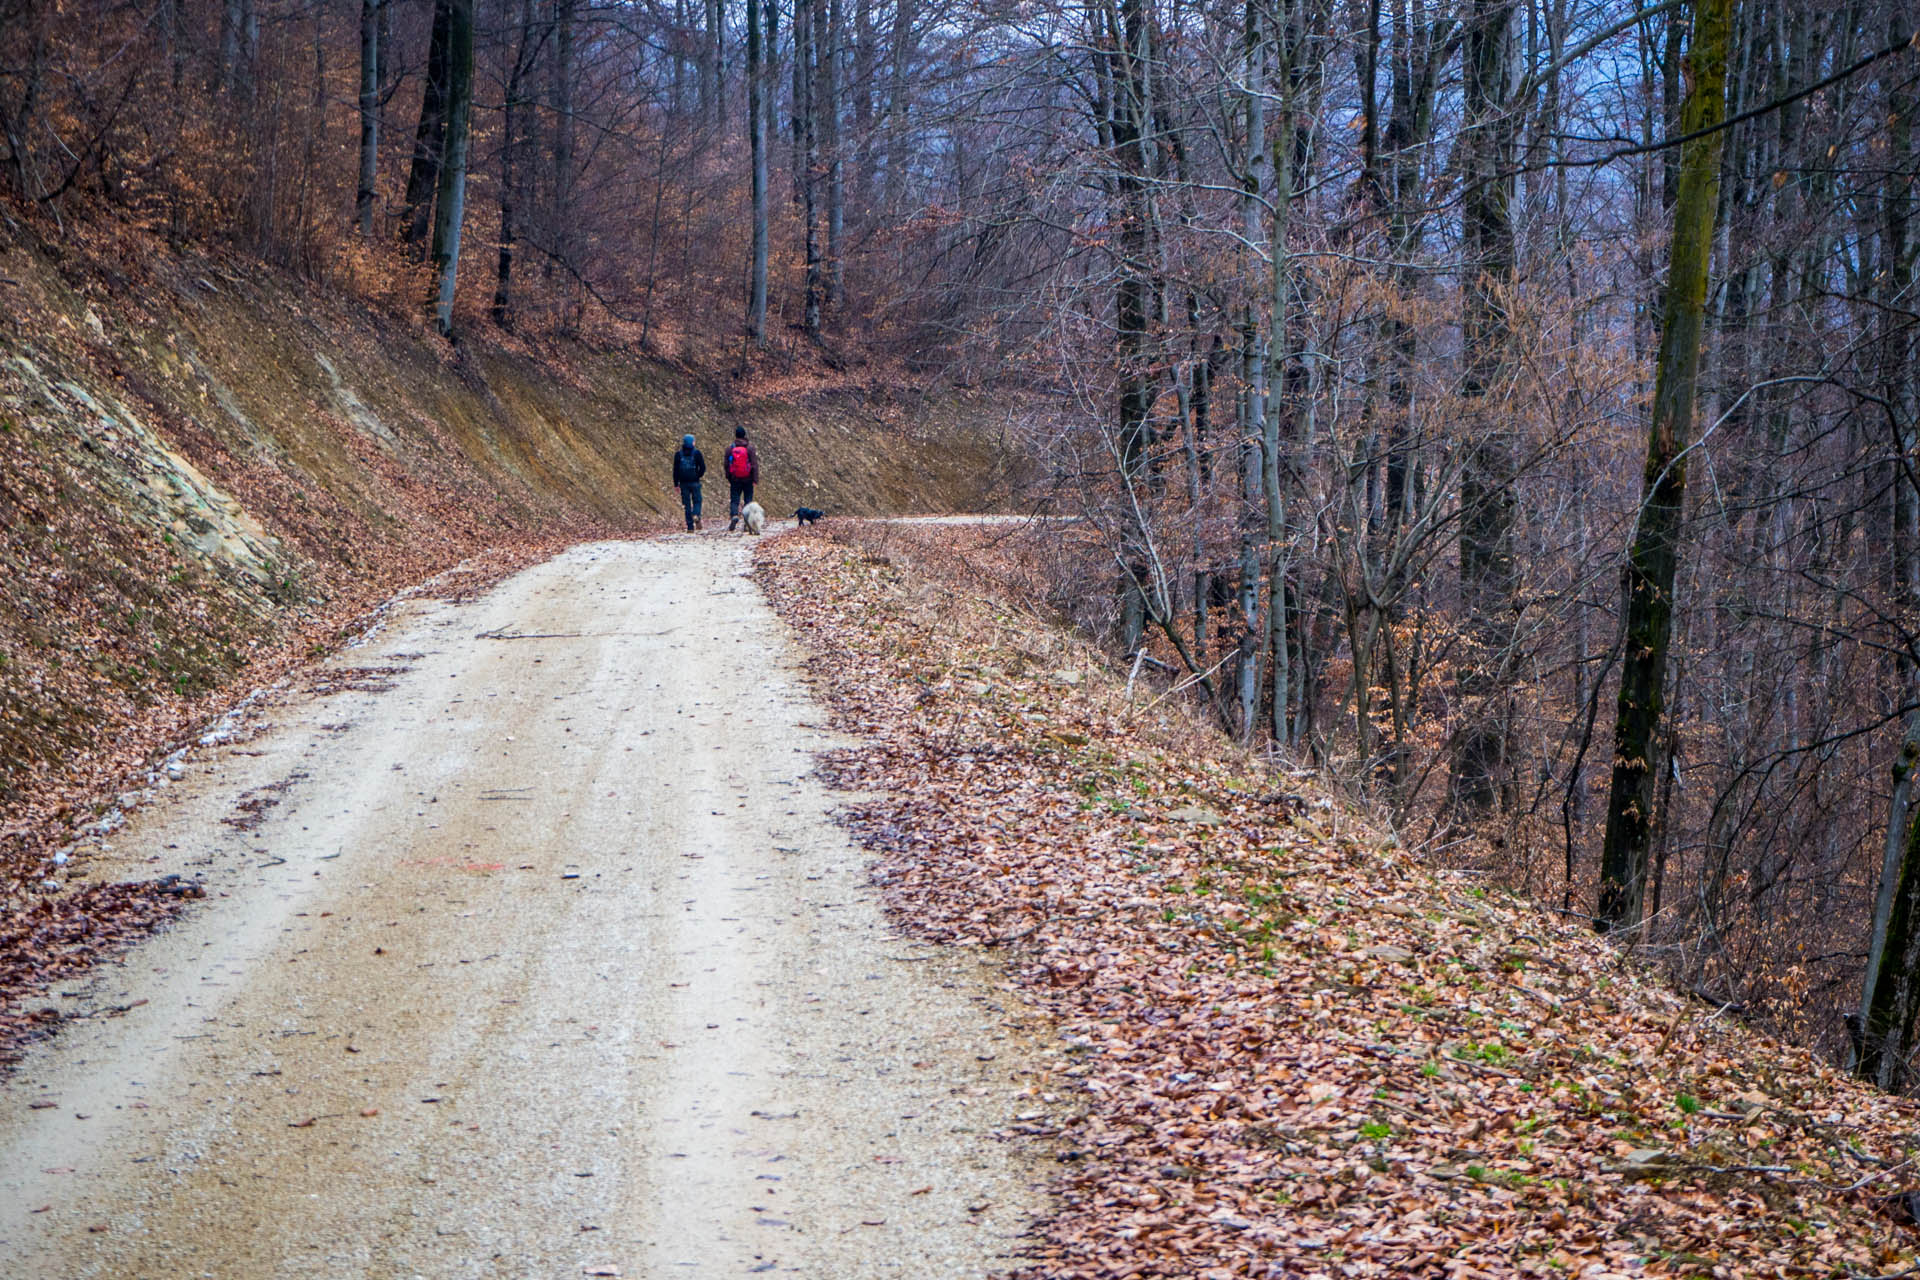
(807, 515)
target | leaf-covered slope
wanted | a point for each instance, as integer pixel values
(1284, 1046)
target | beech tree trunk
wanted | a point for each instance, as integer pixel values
(239, 47)
(1253, 400)
(899, 50)
(832, 142)
(821, 165)
(1890, 997)
(450, 204)
(1282, 144)
(860, 92)
(801, 37)
(1654, 558)
(429, 139)
(757, 137)
(1890, 994)
(1487, 582)
(561, 235)
(369, 114)
(523, 50)
(713, 63)
(1127, 59)
(809, 22)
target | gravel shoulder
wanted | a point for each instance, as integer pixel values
(530, 948)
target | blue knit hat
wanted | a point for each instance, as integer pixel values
(687, 440)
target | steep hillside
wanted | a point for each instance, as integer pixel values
(208, 467)
(1272, 1041)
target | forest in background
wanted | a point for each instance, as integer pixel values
(1405, 427)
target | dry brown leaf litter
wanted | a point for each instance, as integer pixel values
(57, 938)
(1284, 1047)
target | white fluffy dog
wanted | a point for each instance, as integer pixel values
(755, 517)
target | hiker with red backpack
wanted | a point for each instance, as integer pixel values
(743, 472)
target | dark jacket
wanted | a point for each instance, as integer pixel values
(753, 460)
(688, 465)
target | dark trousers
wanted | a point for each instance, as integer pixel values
(690, 503)
(739, 494)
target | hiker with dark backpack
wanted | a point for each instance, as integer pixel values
(689, 464)
(743, 472)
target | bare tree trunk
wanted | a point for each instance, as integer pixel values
(1654, 558)
(770, 71)
(810, 21)
(800, 162)
(369, 115)
(239, 47)
(1487, 581)
(173, 35)
(861, 93)
(562, 235)
(450, 205)
(901, 54)
(1253, 408)
(677, 56)
(300, 252)
(1128, 57)
(1280, 299)
(1888, 999)
(429, 139)
(523, 48)
(757, 137)
(16, 120)
(1415, 56)
(1886, 1029)
(713, 80)
(830, 90)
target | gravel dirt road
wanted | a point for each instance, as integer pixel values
(530, 950)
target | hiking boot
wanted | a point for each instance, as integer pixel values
(731, 522)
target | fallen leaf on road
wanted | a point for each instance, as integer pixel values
(308, 1123)
(369, 1112)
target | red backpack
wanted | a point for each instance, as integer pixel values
(739, 462)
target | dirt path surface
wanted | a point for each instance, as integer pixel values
(530, 950)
